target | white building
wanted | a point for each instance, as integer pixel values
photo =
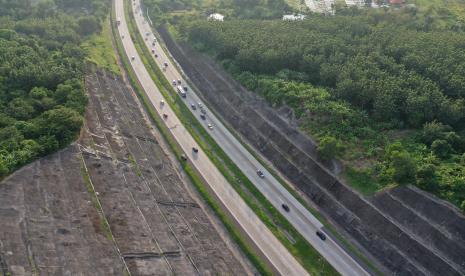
(216, 17)
(321, 6)
(358, 3)
(293, 17)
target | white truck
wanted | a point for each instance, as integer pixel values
(181, 91)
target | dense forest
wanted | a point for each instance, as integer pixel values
(391, 94)
(41, 67)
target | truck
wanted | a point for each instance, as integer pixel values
(181, 91)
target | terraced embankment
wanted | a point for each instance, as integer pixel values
(157, 225)
(395, 244)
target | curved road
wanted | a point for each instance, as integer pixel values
(299, 216)
(276, 254)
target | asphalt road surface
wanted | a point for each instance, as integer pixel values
(282, 261)
(298, 215)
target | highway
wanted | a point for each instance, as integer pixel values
(298, 216)
(269, 246)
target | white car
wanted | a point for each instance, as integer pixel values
(210, 126)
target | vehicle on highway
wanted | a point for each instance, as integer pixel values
(194, 149)
(165, 115)
(194, 107)
(210, 126)
(174, 82)
(200, 105)
(147, 34)
(122, 36)
(181, 91)
(202, 116)
(185, 88)
(321, 235)
(133, 58)
(179, 81)
(162, 102)
(118, 21)
(285, 207)
(260, 173)
(183, 157)
(156, 57)
(153, 51)
(165, 64)
(203, 110)
(153, 43)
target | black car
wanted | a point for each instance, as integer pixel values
(285, 207)
(194, 107)
(194, 149)
(185, 88)
(202, 116)
(321, 235)
(260, 174)
(183, 157)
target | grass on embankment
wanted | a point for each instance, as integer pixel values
(310, 259)
(99, 49)
(188, 169)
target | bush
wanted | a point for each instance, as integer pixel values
(329, 148)
(441, 148)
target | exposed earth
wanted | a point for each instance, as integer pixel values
(51, 218)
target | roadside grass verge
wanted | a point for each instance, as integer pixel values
(99, 49)
(310, 259)
(189, 170)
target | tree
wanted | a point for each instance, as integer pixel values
(427, 178)
(329, 148)
(441, 148)
(88, 25)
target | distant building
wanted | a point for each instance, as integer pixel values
(398, 2)
(216, 17)
(358, 3)
(293, 17)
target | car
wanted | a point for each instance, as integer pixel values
(156, 55)
(133, 58)
(183, 157)
(260, 173)
(165, 116)
(200, 105)
(203, 110)
(166, 64)
(285, 207)
(179, 81)
(202, 116)
(153, 43)
(162, 102)
(321, 235)
(185, 88)
(153, 51)
(174, 82)
(194, 149)
(210, 126)
(122, 36)
(194, 107)
(147, 34)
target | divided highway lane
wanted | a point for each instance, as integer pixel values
(298, 215)
(276, 254)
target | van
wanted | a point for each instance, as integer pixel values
(181, 91)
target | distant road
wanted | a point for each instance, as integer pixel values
(277, 255)
(299, 216)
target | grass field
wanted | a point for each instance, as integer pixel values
(99, 49)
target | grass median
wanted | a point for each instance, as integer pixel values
(189, 170)
(310, 259)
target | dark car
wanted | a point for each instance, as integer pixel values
(185, 88)
(194, 149)
(194, 107)
(260, 174)
(165, 116)
(183, 157)
(285, 207)
(321, 235)
(202, 116)
(203, 110)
